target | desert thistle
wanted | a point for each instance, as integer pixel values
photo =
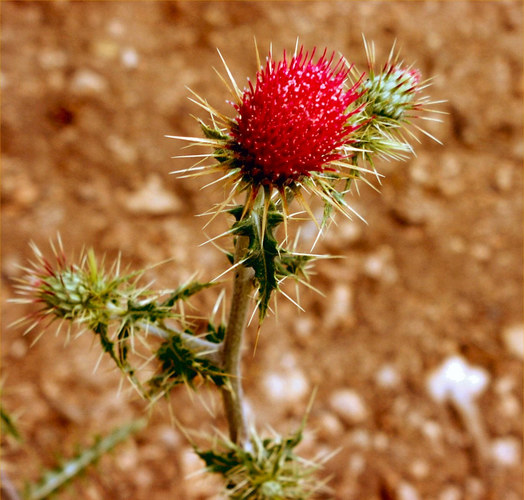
(307, 125)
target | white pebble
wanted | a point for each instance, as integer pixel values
(303, 326)
(387, 377)
(380, 265)
(450, 493)
(341, 305)
(51, 59)
(87, 82)
(349, 406)
(419, 469)
(432, 430)
(360, 438)
(288, 387)
(458, 381)
(123, 150)
(129, 58)
(152, 199)
(406, 491)
(506, 451)
(513, 338)
(169, 437)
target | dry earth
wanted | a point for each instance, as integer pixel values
(89, 89)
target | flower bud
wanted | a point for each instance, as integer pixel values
(392, 93)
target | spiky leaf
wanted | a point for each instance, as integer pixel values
(263, 251)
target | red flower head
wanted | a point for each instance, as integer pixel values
(294, 127)
(293, 121)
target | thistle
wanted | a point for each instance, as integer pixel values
(392, 100)
(294, 131)
(306, 124)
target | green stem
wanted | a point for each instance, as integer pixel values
(232, 393)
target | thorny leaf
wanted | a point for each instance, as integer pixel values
(270, 261)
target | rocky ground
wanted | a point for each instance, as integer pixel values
(89, 89)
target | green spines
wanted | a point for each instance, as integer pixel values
(391, 94)
(213, 133)
(269, 470)
(270, 261)
(179, 364)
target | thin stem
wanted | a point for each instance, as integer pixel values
(232, 393)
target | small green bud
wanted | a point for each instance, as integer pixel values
(391, 93)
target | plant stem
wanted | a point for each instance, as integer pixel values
(232, 393)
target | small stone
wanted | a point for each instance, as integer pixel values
(129, 58)
(287, 388)
(406, 491)
(360, 438)
(328, 426)
(86, 82)
(506, 451)
(513, 337)
(116, 28)
(152, 199)
(169, 437)
(123, 150)
(387, 377)
(52, 59)
(349, 406)
(450, 493)
(432, 430)
(303, 326)
(380, 266)
(419, 469)
(457, 381)
(348, 232)
(18, 349)
(340, 309)
(128, 459)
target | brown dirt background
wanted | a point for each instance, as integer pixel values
(89, 89)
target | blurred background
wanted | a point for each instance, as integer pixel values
(89, 89)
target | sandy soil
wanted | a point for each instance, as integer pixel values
(89, 89)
